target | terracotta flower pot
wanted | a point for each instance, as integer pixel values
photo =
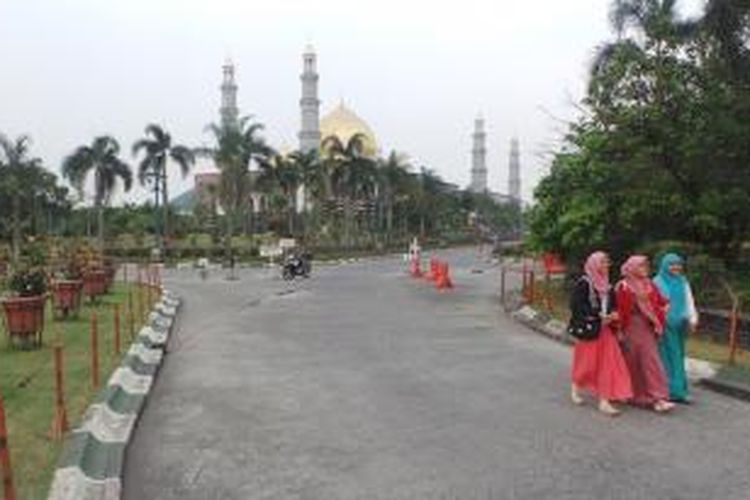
(111, 271)
(67, 296)
(24, 318)
(94, 283)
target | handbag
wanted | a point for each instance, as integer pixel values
(587, 328)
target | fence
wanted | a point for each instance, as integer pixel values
(44, 391)
(723, 335)
(528, 280)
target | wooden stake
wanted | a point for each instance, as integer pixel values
(117, 329)
(131, 319)
(94, 351)
(60, 422)
(9, 491)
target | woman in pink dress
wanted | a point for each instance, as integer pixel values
(598, 364)
(642, 310)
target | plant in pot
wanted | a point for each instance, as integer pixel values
(24, 310)
(93, 275)
(67, 288)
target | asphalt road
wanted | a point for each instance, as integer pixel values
(362, 383)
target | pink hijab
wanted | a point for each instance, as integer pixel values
(639, 284)
(592, 268)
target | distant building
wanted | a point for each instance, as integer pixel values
(340, 122)
(479, 158)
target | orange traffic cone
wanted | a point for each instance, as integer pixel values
(431, 276)
(444, 279)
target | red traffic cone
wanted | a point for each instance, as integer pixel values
(443, 280)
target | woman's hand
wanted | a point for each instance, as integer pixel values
(608, 319)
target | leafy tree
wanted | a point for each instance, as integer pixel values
(158, 150)
(663, 104)
(28, 189)
(102, 160)
(236, 148)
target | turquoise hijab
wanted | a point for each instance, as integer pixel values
(674, 287)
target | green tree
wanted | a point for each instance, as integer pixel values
(157, 149)
(102, 160)
(350, 176)
(235, 149)
(19, 175)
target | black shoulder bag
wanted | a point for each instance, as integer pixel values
(587, 327)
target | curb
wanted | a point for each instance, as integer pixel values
(91, 463)
(700, 372)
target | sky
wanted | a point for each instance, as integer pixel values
(419, 72)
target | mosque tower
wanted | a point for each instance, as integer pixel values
(479, 158)
(228, 111)
(309, 135)
(514, 177)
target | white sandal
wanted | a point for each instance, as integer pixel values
(575, 396)
(607, 408)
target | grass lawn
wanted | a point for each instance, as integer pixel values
(27, 382)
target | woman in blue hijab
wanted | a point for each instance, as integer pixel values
(681, 318)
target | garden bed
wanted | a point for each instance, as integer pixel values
(27, 381)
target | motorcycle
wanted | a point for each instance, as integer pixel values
(297, 265)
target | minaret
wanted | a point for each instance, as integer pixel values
(514, 176)
(309, 135)
(229, 112)
(479, 158)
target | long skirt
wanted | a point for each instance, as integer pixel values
(642, 355)
(672, 351)
(599, 367)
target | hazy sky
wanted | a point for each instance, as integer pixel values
(418, 71)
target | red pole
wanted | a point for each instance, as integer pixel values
(117, 329)
(531, 286)
(94, 351)
(733, 334)
(8, 490)
(60, 423)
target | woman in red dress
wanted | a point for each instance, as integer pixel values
(598, 364)
(642, 310)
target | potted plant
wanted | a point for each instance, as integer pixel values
(67, 289)
(110, 269)
(24, 310)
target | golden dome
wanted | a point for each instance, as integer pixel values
(344, 124)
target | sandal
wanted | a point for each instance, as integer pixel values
(607, 408)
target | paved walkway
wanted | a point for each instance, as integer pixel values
(361, 383)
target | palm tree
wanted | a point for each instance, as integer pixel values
(350, 174)
(312, 181)
(101, 159)
(237, 147)
(158, 149)
(393, 179)
(283, 173)
(19, 173)
(429, 189)
(725, 24)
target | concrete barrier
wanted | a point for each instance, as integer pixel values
(91, 464)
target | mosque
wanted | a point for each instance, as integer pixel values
(342, 123)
